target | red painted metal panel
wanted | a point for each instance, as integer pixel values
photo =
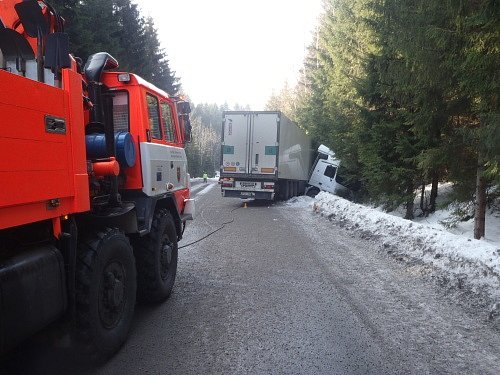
(36, 211)
(36, 165)
(77, 152)
(180, 195)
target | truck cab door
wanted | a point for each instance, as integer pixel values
(163, 160)
(323, 176)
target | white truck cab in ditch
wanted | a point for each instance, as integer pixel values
(325, 174)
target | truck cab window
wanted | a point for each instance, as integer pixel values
(330, 171)
(154, 116)
(168, 126)
(121, 111)
(322, 156)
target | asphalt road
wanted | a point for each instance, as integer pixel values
(280, 290)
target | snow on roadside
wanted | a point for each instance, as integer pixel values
(205, 190)
(471, 263)
(445, 217)
(200, 179)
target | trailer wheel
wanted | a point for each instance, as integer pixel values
(287, 190)
(312, 192)
(156, 255)
(105, 292)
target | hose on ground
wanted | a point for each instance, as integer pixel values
(214, 231)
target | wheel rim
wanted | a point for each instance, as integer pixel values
(166, 257)
(111, 294)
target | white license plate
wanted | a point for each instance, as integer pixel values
(247, 193)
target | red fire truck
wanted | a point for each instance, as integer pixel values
(94, 189)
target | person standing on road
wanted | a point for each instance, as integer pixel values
(205, 177)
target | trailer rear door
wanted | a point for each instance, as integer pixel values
(250, 143)
(235, 145)
(264, 143)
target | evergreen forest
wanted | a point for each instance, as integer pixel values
(406, 94)
(117, 27)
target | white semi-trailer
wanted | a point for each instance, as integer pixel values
(264, 156)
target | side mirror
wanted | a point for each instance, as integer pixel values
(184, 108)
(186, 128)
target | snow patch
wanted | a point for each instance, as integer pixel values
(205, 190)
(300, 202)
(454, 217)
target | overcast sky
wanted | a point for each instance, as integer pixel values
(237, 51)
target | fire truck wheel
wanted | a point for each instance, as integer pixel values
(105, 292)
(312, 192)
(156, 255)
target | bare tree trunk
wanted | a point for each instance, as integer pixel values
(422, 200)
(434, 192)
(410, 203)
(480, 206)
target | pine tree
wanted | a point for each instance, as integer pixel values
(95, 28)
(117, 27)
(131, 38)
(477, 24)
(285, 101)
(158, 70)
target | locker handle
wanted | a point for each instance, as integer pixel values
(55, 125)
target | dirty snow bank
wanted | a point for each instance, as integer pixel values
(469, 263)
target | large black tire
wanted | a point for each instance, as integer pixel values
(312, 192)
(156, 255)
(295, 188)
(287, 190)
(281, 191)
(105, 292)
